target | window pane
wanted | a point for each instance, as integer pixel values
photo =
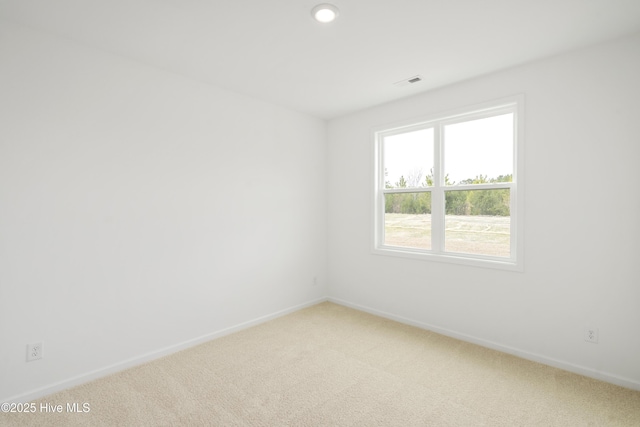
(408, 159)
(407, 220)
(479, 151)
(478, 222)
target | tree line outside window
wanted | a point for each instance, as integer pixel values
(457, 202)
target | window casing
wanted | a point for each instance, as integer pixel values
(450, 188)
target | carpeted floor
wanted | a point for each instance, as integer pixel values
(329, 365)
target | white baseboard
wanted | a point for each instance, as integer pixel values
(135, 361)
(139, 360)
(570, 367)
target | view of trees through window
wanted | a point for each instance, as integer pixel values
(475, 221)
(469, 202)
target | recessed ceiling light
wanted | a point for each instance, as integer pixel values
(324, 13)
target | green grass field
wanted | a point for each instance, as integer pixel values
(482, 235)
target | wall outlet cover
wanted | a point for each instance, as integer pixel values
(34, 351)
(591, 335)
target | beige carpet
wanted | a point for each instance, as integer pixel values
(329, 365)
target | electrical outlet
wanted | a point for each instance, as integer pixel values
(34, 351)
(315, 281)
(591, 335)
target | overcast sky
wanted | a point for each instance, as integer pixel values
(472, 148)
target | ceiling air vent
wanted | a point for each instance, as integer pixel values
(410, 80)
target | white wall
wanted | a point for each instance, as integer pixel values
(582, 227)
(140, 210)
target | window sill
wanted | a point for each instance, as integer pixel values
(450, 258)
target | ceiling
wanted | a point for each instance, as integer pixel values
(273, 50)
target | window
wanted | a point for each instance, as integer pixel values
(450, 188)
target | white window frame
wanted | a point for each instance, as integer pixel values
(515, 105)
